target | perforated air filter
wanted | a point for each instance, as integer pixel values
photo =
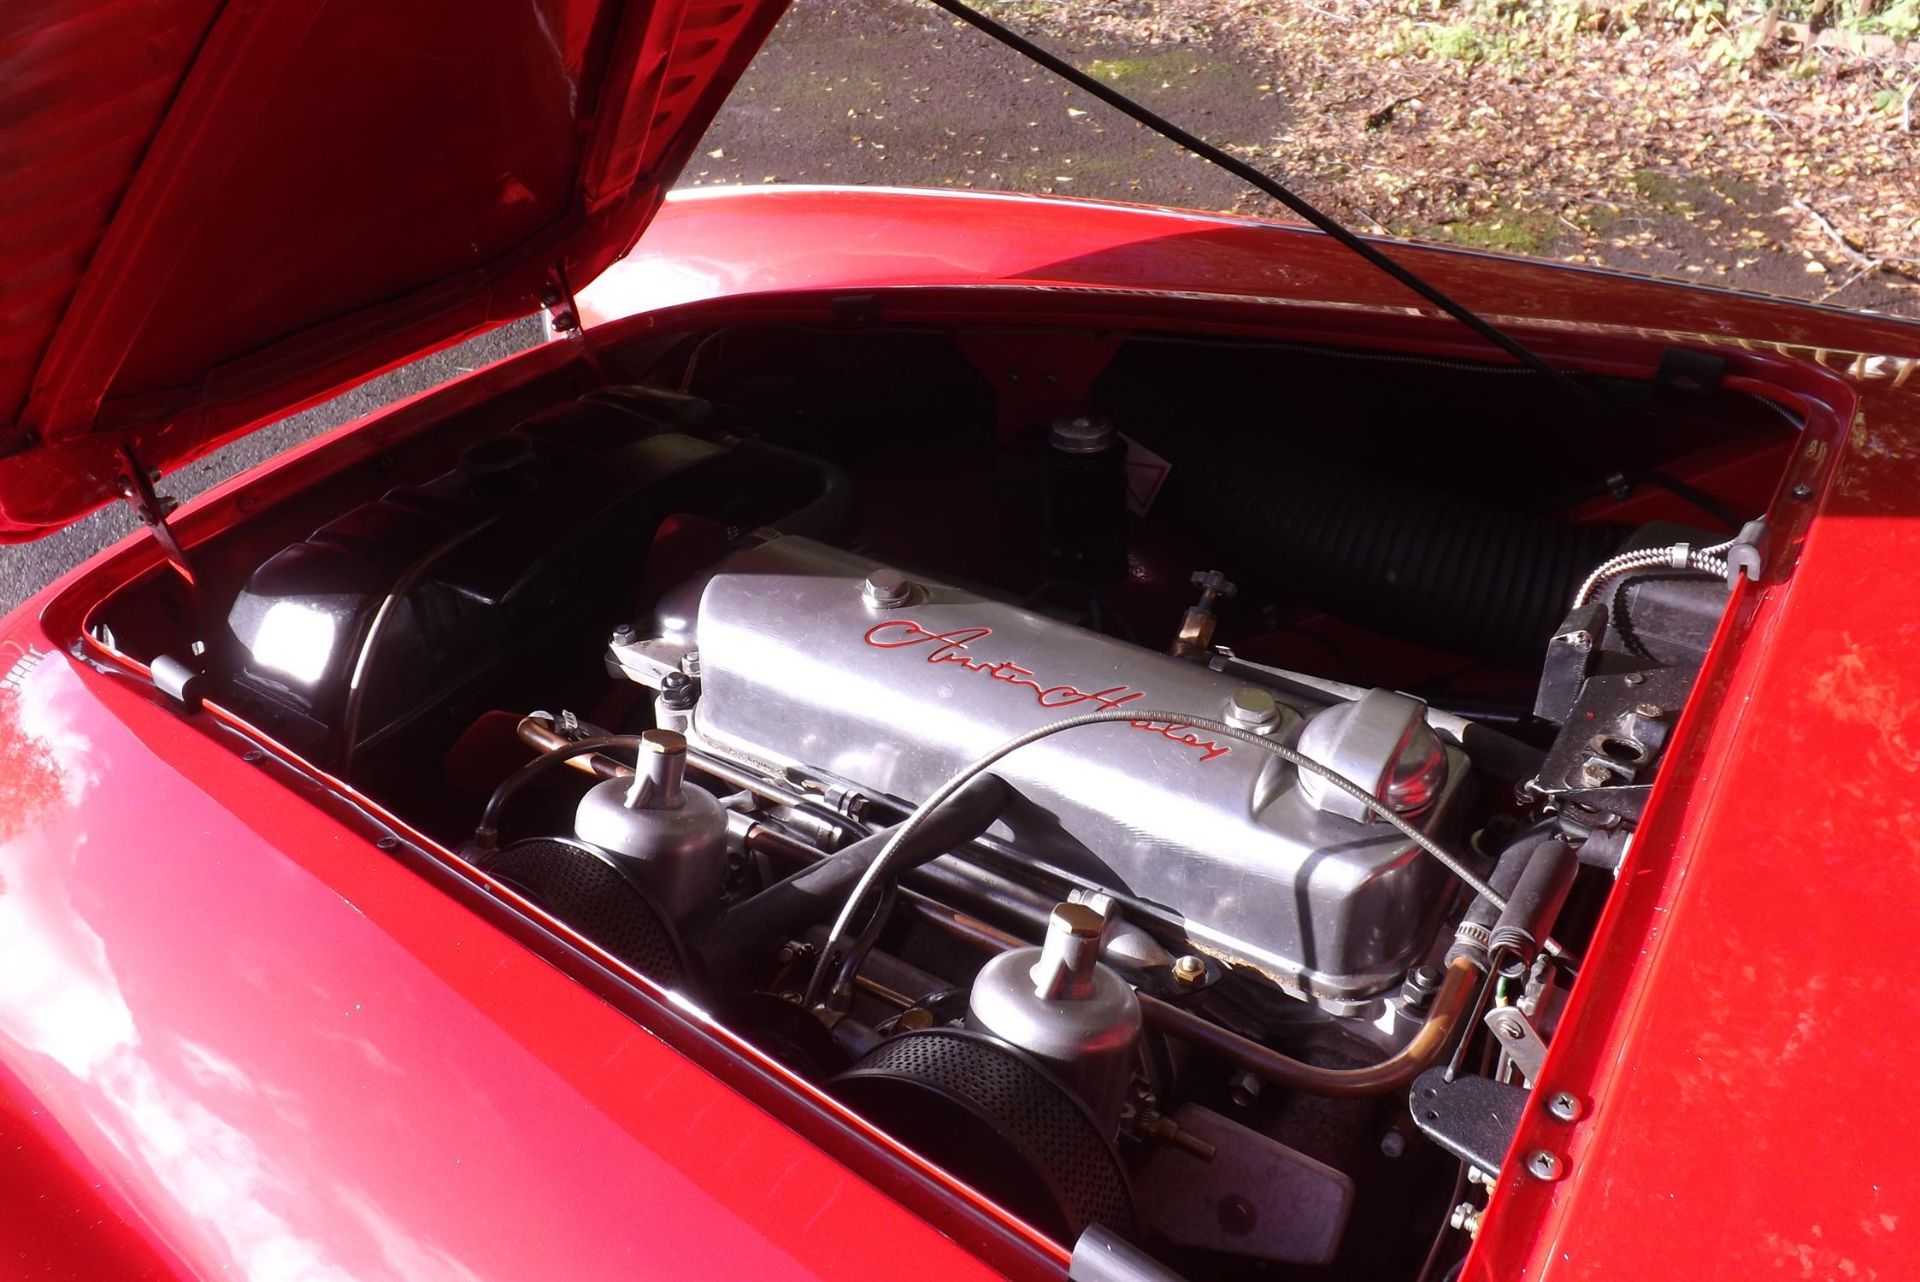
(992, 1116)
(577, 884)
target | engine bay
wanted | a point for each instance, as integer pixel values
(1165, 780)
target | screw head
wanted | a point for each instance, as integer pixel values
(1189, 971)
(1564, 1105)
(1543, 1165)
(1237, 1215)
(1393, 1144)
(387, 843)
(1801, 491)
(1635, 678)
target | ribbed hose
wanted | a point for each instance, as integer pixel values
(1383, 552)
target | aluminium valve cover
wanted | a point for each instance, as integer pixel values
(804, 665)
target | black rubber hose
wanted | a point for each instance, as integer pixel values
(748, 929)
(1476, 926)
(1533, 906)
(486, 837)
(1382, 552)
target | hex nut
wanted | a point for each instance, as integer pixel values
(886, 589)
(1189, 971)
(1252, 708)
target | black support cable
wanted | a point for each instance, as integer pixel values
(1584, 396)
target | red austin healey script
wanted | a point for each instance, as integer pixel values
(950, 647)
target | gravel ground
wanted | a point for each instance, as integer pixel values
(24, 567)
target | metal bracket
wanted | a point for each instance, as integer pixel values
(1748, 553)
(563, 315)
(1473, 1118)
(1519, 1039)
(153, 509)
(136, 487)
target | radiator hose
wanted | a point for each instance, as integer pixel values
(1383, 552)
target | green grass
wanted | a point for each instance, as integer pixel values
(1504, 231)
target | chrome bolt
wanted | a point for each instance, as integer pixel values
(1252, 708)
(886, 589)
(1466, 1218)
(623, 634)
(1801, 491)
(1543, 1165)
(1189, 971)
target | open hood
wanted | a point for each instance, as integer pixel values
(219, 212)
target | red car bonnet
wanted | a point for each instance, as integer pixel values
(219, 213)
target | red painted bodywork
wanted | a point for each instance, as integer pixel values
(218, 212)
(721, 242)
(236, 1036)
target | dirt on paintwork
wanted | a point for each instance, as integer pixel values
(1634, 155)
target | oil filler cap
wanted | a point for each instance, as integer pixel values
(1380, 741)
